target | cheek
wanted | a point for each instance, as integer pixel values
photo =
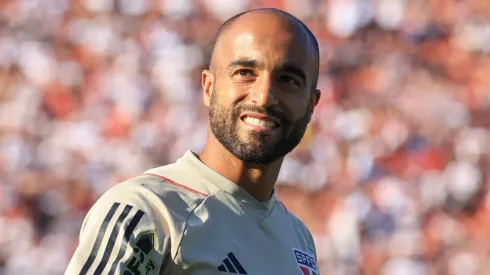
(295, 107)
(234, 92)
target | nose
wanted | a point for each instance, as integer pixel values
(263, 93)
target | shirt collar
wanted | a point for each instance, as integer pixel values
(226, 185)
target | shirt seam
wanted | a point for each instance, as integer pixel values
(270, 212)
(230, 194)
(185, 225)
(177, 184)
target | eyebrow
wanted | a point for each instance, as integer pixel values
(252, 63)
(244, 62)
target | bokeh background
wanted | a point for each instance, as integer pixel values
(391, 177)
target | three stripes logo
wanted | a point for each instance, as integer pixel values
(231, 265)
(112, 241)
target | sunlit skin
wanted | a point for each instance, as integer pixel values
(264, 67)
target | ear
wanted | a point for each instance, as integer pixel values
(207, 83)
(315, 98)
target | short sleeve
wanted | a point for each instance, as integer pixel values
(120, 236)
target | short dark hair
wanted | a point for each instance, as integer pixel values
(282, 13)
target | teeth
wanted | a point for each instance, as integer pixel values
(259, 122)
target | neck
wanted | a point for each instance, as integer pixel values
(256, 179)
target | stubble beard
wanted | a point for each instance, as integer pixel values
(257, 148)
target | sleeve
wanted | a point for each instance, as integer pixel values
(310, 247)
(121, 236)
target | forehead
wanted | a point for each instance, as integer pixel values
(267, 38)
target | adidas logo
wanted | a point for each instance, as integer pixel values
(231, 265)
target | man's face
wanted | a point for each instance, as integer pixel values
(262, 97)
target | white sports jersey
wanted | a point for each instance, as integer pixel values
(185, 218)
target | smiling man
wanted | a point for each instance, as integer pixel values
(216, 212)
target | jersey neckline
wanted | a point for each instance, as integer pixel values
(226, 185)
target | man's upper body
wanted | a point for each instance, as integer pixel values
(185, 218)
(216, 212)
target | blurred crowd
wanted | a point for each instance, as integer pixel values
(391, 176)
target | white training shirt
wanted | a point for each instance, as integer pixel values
(185, 218)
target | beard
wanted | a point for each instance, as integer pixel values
(258, 148)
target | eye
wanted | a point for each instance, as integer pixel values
(286, 79)
(244, 72)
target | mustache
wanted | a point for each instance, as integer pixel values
(272, 112)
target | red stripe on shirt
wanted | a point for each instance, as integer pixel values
(284, 207)
(177, 184)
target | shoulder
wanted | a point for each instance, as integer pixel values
(164, 182)
(300, 228)
(160, 200)
(146, 213)
(160, 191)
(179, 176)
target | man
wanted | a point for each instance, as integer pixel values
(216, 212)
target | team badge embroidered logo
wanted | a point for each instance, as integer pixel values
(305, 261)
(140, 263)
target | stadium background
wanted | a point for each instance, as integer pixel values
(391, 177)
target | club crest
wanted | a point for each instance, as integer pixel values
(306, 262)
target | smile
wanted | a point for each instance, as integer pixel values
(260, 122)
